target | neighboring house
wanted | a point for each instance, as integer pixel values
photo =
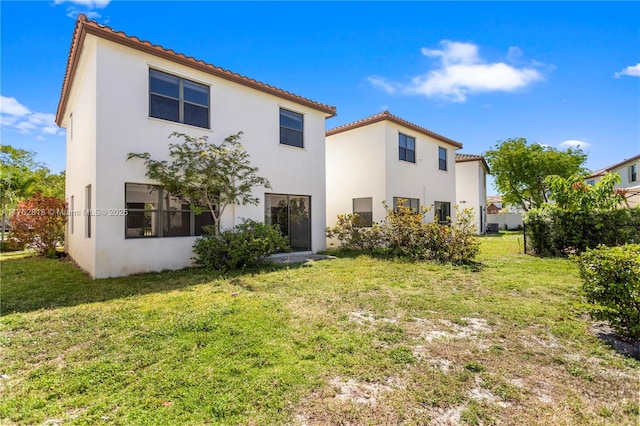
(629, 171)
(494, 208)
(123, 95)
(471, 186)
(385, 158)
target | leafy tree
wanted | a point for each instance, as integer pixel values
(574, 195)
(38, 222)
(520, 170)
(206, 174)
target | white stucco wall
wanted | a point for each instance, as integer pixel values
(363, 162)
(80, 123)
(123, 125)
(471, 190)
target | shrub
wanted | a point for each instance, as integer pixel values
(242, 246)
(38, 223)
(611, 283)
(352, 236)
(557, 232)
(404, 233)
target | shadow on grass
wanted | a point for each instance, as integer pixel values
(30, 283)
(383, 255)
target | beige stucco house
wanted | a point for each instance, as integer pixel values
(122, 95)
(629, 171)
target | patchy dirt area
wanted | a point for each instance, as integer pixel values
(466, 372)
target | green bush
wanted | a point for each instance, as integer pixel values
(241, 246)
(611, 283)
(555, 232)
(353, 236)
(404, 233)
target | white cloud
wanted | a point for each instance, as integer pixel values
(91, 4)
(462, 72)
(632, 71)
(573, 143)
(14, 115)
(383, 84)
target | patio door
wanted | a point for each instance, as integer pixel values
(292, 214)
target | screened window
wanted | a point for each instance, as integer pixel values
(363, 207)
(154, 212)
(442, 158)
(407, 148)
(177, 99)
(443, 212)
(291, 128)
(412, 203)
(633, 173)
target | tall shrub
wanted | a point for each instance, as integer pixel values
(611, 283)
(38, 222)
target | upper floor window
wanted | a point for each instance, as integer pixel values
(633, 172)
(407, 148)
(291, 128)
(154, 212)
(177, 99)
(442, 158)
(591, 182)
(363, 207)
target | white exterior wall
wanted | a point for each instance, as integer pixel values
(506, 221)
(356, 169)
(363, 162)
(81, 159)
(123, 126)
(471, 191)
(422, 179)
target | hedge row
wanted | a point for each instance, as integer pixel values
(556, 232)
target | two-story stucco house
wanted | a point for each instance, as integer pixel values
(629, 171)
(384, 158)
(471, 187)
(122, 95)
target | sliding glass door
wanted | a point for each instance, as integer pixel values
(292, 214)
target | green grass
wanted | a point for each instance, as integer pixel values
(355, 340)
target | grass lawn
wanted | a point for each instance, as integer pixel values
(354, 340)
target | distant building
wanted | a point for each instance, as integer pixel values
(629, 178)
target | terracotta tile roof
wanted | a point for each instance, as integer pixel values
(85, 26)
(386, 115)
(604, 170)
(463, 158)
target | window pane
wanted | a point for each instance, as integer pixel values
(196, 115)
(290, 119)
(290, 137)
(196, 93)
(142, 224)
(139, 196)
(411, 143)
(363, 207)
(442, 158)
(276, 212)
(164, 84)
(403, 141)
(203, 219)
(299, 223)
(411, 156)
(176, 224)
(165, 108)
(169, 202)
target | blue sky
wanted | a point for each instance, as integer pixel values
(475, 72)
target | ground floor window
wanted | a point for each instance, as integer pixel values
(292, 214)
(412, 203)
(152, 211)
(442, 212)
(363, 207)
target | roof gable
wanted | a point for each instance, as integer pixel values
(465, 158)
(386, 115)
(85, 26)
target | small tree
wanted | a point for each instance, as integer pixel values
(520, 170)
(38, 222)
(574, 195)
(205, 174)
